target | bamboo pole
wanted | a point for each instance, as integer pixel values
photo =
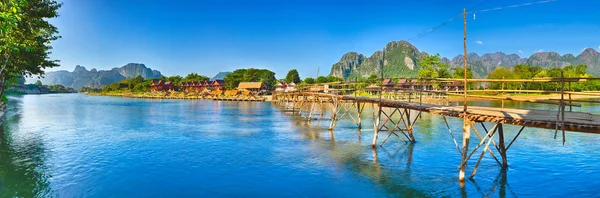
(502, 146)
(503, 91)
(466, 129)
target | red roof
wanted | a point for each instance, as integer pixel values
(156, 83)
(454, 84)
(388, 81)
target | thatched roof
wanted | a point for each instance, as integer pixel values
(251, 85)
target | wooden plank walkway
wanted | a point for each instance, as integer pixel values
(573, 121)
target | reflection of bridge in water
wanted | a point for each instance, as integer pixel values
(390, 166)
(397, 118)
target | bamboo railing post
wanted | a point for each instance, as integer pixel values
(562, 106)
(570, 107)
(376, 126)
(502, 92)
(334, 116)
(359, 110)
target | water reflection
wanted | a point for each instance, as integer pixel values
(22, 160)
(390, 166)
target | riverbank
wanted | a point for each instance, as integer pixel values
(180, 96)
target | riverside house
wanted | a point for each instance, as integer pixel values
(285, 87)
(254, 87)
(194, 85)
(159, 85)
(454, 86)
(217, 84)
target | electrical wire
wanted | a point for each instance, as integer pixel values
(425, 33)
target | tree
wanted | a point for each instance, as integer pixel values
(460, 73)
(233, 79)
(309, 80)
(38, 83)
(25, 37)
(175, 79)
(431, 67)
(195, 77)
(373, 76)
(293, 76)
(503, 73)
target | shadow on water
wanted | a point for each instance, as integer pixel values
(22, 159)
(391, 166)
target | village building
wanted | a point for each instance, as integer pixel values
(160, 85)
(217, 84)
(373, 89)
(194, 86)
(280, 87)
(453, 86)
(388, 84)
(254, 87)
(291, 87)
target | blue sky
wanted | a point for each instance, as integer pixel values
(179, 37)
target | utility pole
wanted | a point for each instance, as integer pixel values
(466, 129)
(381, 85)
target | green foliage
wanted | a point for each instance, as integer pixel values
(431, 67)
(503, 73)
(328, 79)
(195, 77)
(233, 79)
(90, 90)
(528, 72)
(293, 76)
(460, 73)
(373, 76)
(38, 83)
(60, 89)
(309, 81)
(25, 37)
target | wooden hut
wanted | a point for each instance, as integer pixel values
(159, 85)
(454, 86)
(388, 84)
(280, 87)
(254, 87)
(291, 87)
(373, 89)
(217, 84)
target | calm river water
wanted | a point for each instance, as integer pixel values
(74, 145)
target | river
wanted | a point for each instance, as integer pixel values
(73, 145)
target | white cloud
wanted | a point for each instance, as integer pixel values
(540, 50)
(599, 47)
(479, 42)
(520, 51)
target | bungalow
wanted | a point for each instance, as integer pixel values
(404, 83)
(280, 87)
(159, 85)
(456, 85)
(373, 89)
(217, 84)
(193, 86)
(388, 84)
(254, 87)
(291, 87)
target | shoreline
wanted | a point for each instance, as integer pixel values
(268, 98)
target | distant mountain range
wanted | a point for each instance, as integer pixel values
(81, 77)
(220, 76)
(401, 60)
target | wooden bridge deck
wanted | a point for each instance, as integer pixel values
(573, 121)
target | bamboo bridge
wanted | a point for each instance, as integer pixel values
(397, 117)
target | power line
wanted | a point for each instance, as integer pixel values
(421, 35)
(425, 33)
(513, 6)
